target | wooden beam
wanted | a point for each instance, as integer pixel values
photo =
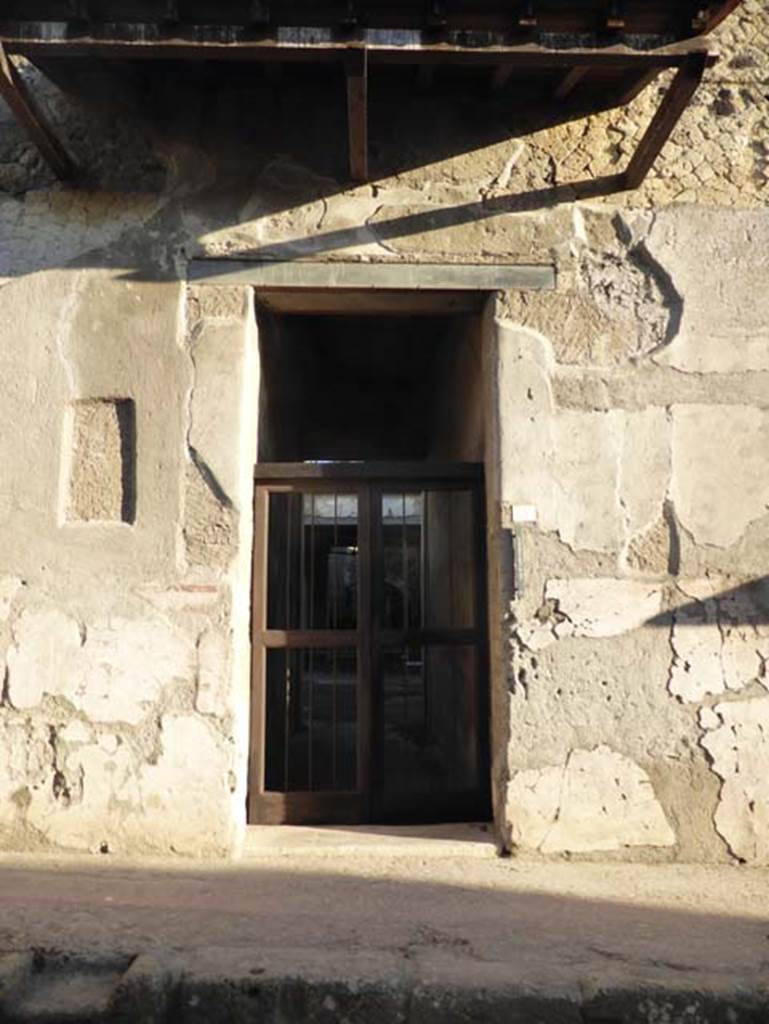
(25, 110)
(523, 57)
(425, 77)
(636, 85)
(567, 84)
(501, 77)
(356, 67)
(713, 14)
(675, 101)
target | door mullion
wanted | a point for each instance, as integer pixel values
(365, 648)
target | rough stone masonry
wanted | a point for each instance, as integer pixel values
(630, 406)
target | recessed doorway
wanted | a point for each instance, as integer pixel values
(370, 692)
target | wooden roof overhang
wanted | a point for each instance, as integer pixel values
(591, 54)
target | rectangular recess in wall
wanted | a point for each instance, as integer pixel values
(102, 480)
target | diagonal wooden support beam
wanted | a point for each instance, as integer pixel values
(569, 82)
(675, 101)
(25, 110)
(356, 67)
(712, 14)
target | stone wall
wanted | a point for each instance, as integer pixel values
(630, 407)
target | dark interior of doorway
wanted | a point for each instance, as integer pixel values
(380, 389)
(370, 388)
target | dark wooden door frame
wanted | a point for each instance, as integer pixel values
(366, 480)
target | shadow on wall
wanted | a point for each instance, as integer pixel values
(210, 148)
(508, 929)
(744, 605)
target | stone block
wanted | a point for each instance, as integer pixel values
(596, 800)
(736, 739)
(215, 411)
(102, 483)
(185, 793)
(45, 644)
(720, 483)
(596, 478)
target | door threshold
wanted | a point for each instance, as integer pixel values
(464, 839)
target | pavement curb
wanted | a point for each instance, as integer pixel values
(297, 987)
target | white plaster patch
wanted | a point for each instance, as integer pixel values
(112, 671)
(719, 642)
(102, 791)
(212, 694)
(602, 606)
(739, 748)
(720, 483)
(187, 790)
(597, 800)
(9, 588)
(125, 665)
(25, 765)
(39, 660)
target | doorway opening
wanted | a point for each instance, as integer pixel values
(370, 691)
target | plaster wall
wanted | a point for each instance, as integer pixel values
(629, 406)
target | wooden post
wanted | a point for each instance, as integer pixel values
(681, 90)
(24, 109)
(501, 76)
(569, 81)
(356, 65)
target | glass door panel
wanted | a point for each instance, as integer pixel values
(427, 705)
(429, 735)
(312, 560)
(429, 560)
(311, 726)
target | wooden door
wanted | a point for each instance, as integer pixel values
(369, 701)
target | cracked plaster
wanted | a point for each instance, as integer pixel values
(596, 800)
(719, 639)
(736, 739)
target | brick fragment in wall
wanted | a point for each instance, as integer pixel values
(112, 670)
(719, 639)
(596, 800)
(102, 483)
(736, 739)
